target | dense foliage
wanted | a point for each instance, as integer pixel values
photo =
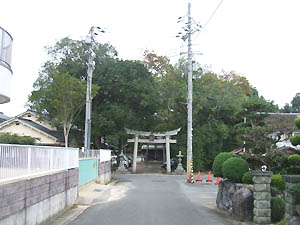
(278, 182)
(234, 168)
(277, 209)
(247, 178)
(295, 140)
(7, 138)
(295, 191)
(294, 164)
(218, 163)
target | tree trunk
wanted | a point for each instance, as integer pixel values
(96, 142)
(66, 134)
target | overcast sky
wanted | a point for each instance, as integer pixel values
(259, 39)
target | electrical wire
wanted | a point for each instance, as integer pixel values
(212, 15)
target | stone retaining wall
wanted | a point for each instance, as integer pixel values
(37, 199)
(236, 200)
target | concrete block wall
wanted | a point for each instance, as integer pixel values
(35, 200)
(104, 172)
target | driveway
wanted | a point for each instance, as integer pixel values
(154, 200)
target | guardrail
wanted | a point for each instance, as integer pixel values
(21, 161)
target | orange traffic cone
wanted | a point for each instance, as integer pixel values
(209, 177)
(198, 177)
(218, 181)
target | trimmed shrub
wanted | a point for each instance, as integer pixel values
(294, 160)
(234, 168)
(218, 162)
(295, 191)
(278, 182)
(295, 140)
(294, 164)
(277, 209)
(247, 178)
(297, 122)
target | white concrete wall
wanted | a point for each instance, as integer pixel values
(5, 84)
(105, 155)
(24, 130)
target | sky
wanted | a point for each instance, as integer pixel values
(259, 39)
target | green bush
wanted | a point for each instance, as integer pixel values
(7, 138)
(294, 160)
(277, 209)
(247, 178)
(297, 122)
(295, 140)
(282, 222)
(294, 164)
(279, 164)
(278, 182)
(234, 168)
(295, 191)
(218, 162)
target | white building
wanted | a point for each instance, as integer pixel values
(5, 65)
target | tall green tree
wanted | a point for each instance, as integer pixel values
(127, 98)
(60, 98)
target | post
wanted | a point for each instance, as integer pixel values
(168, 154)
(135, 150)
(290, 200)
(262, 197)
(190, 96)
(29, 161)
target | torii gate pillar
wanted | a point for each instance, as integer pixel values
(135, 150)
(168, 154)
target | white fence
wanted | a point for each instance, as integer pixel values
(20, 161)
(103, 154)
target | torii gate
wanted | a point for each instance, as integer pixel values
(151, 140)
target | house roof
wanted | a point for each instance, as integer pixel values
(57, 134)
(3, 117)
(284, 120)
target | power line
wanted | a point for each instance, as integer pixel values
(212, 15)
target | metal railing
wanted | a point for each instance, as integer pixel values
(103, 154)
(5, 47)
(21, 161)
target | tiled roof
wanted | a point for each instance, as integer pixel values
(57, 134)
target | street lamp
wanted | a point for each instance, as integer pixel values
(90, 40)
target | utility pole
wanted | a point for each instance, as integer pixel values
(187, 35)
(90, 40)
(190, 96)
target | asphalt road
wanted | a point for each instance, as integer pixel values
(154, 200)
